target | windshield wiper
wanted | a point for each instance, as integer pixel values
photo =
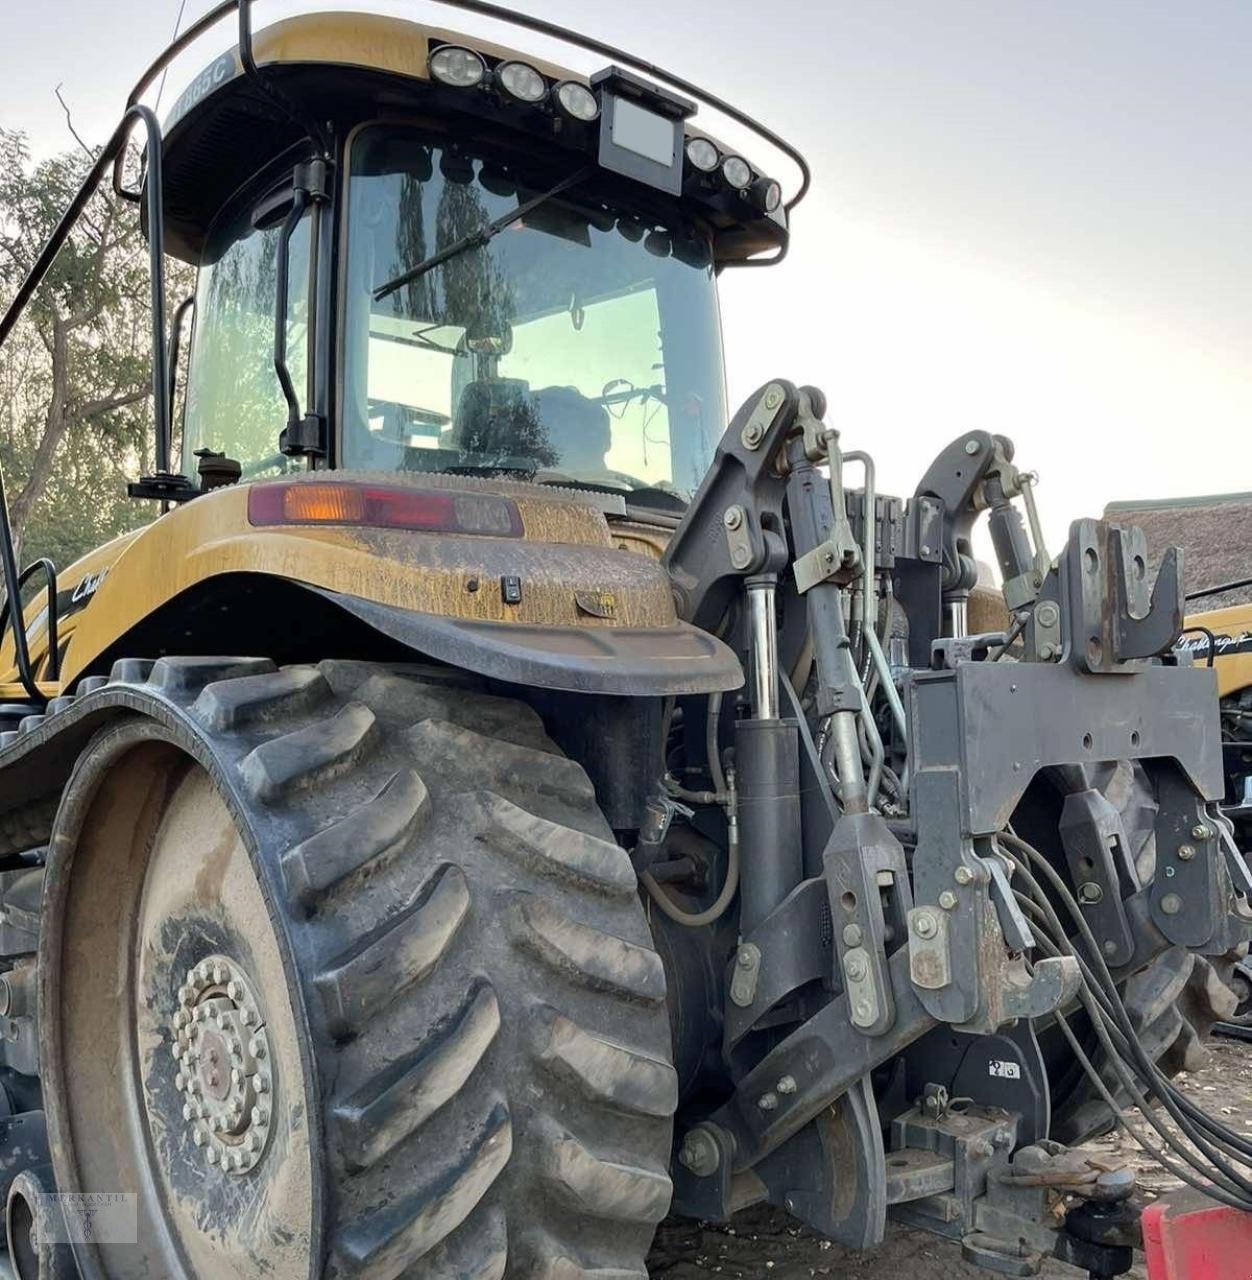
(476, 239)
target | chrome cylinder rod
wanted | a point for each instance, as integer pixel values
(958, 617)
(763, 636)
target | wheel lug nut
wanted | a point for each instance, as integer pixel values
(219, 974)
(188, 1113)
(261, 1084)
(198, 1136)
(257, 1047)
(247, 1017)
(233, 989)
(252, 1142)
(259, 1118)
(211, 1155)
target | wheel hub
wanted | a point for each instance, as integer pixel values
(225, 1070)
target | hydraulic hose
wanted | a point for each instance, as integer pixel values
(874, 747)
(1110, 1022)
(887, 684)
(713, 913)
(712, 725)
(1117, 1038)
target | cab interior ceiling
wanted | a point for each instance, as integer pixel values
(219, 148)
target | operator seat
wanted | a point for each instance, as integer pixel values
(578, 429)
(556, 427)
(499, 418)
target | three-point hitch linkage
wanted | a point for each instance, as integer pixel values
(903, 875)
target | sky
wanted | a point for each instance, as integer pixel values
(1027, 216)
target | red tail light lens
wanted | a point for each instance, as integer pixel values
(383, 507)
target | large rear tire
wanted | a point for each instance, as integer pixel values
(346, 977)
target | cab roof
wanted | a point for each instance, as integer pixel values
(350, 67)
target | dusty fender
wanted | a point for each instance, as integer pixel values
(557, 603)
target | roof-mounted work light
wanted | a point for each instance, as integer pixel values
(703, 155)
(577, 101)
(461, 68)
(521, 81)
(641, 129)
(737, 172)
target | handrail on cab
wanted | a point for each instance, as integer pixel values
(114, 150)
(12, 608)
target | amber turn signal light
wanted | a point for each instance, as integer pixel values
(383, 507)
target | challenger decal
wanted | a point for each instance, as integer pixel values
(79, 597)
(1225, 646)
(88, 586)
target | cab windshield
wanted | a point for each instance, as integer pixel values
(573, 346)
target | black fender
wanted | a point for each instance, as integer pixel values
(629, 662)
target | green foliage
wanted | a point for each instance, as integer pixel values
(75, 375)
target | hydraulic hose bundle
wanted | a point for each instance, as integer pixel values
(1206, 1163)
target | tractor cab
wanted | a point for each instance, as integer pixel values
(483, 281)
(426, 254)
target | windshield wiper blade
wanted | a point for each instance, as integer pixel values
(476, 239)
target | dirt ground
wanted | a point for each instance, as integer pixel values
(767, 1243)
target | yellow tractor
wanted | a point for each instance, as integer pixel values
(1222, 638)
(496, 749)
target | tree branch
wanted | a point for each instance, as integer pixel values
(96, 408)
(95, 272)
(56, 423)
(69, 124)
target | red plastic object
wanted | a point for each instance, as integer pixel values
(1188, 1237)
